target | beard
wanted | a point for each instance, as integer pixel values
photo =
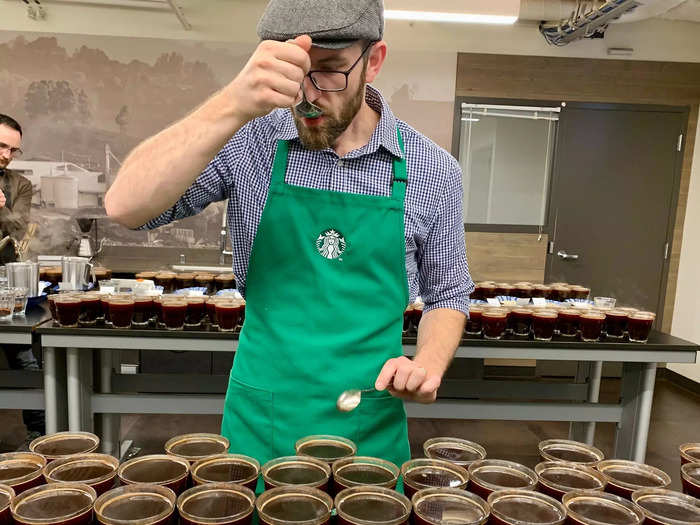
(324, 136)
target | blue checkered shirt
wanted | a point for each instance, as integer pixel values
(436, 261)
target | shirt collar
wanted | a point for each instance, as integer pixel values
(384, 135)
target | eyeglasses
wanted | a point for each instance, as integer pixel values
(14, 152)
(325, 80)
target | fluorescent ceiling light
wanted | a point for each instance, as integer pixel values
(434, 16)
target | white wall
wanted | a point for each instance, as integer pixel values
(686, 317)
(235, 20)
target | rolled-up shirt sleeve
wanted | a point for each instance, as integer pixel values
(212, 185)
(443, 271)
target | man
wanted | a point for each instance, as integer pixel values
(15, 203)
(15, 190)
(337, 218)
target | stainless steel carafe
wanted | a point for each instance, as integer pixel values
(77, 273)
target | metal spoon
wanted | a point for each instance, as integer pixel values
(350, 399)
(307, 109)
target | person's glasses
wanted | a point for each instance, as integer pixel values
(14, 152)
(326, 80)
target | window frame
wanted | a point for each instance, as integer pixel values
(456, 132)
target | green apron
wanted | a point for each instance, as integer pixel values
(326, 292)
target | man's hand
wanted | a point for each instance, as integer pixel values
(407, 380)
(272, 77)
(2, 199)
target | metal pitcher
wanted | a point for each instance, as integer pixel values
(25, 275)
(77, 273)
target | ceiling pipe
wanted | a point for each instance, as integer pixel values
(552, 10)
(650, 9)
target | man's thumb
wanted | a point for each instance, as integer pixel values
(304, 42)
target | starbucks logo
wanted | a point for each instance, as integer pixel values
(330, 244)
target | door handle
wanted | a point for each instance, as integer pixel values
(566, 256)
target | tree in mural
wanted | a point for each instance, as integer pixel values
(122, 119)
(83, 107)
(61, 99)
(36, 100)
(56, 99)
(169, 64)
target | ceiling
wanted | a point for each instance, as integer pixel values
(688, 11)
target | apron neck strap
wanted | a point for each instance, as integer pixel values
(398, 187)
(279, 167)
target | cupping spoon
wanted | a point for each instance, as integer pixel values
(350, 399)
(307, 109)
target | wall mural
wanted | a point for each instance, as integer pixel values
(85, 101)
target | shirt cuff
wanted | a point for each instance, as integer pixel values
(460, 304)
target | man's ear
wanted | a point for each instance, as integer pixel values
(377, 55)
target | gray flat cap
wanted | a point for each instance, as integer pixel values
(331, 24)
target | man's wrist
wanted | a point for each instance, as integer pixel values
(430, 364)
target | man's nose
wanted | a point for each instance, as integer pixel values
(310, 90)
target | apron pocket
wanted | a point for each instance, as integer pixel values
(247, 421)
(302, 414)
(383, 429)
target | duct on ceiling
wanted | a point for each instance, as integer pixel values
(552, 10)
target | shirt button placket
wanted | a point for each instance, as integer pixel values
(337, 177)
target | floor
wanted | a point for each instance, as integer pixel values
(675, 420)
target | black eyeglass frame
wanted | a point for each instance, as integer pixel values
(14, 152)
(346, 73)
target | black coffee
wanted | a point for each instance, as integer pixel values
(455, 454)
(226, 472)
(326, 451)
(632, 477)
(54, 505)
(570, 479)
(64, 447)
(15, 470)
(83, 472)
(365, 474)
(136, 507)
(530, 511)
(198, 448)
(372, 508)
(500, 478)
(574, 456)
(154, 471)
(296, 474)
(433, 477)
(602, 511)
(216, 504)
(295, 508)
(672, 510)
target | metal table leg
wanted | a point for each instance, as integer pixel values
(73, 376)
(109, 423)
(50, 390)
(593, 396)
(644, 415)
(637, 394)
(578, 430)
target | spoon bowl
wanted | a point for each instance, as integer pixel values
(307, 109)
(350, 399)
